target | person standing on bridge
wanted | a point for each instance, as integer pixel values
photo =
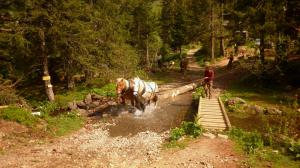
(209, 75)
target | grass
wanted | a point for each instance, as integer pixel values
(260, 155)
(181, 144)
(268, 157)
(63, 124)
(19, 115)
(59, 121)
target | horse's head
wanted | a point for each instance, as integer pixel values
(120, 85)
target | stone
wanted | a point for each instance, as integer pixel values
(96, 103)
(81, 104)
(88, 99)
(96, 97)
(82, 112)
(209, 135)
(255, 109)
(273, 111)
(72, 106)
(240, 100)
(222, 136)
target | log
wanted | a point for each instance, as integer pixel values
(2, 107)
(177, 91)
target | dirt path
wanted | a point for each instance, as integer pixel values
(109, 143)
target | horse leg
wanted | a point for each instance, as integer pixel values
(155, 99)
(132, 101)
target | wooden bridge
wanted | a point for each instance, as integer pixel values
(212, 114)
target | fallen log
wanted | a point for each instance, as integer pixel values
(180, 90)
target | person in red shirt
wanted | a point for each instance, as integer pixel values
(209, 75)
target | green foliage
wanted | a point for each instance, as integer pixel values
(199, 92)
(20, 115)
(176, 134)
(63, 124)
(250, 141)
(108, 90)
(186, 128)
(191, 128)
(295, 149)
(48, 108)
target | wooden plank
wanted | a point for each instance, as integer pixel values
(224, 112)
(211, 120)
(211, 113)
(212, 110)
(215, 128)
(212, 123)
(213, 117)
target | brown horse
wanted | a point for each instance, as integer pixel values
(124, 91)
(183, 65)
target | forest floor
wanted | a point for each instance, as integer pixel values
(93, 146)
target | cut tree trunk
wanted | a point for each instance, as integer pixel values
(46, 78)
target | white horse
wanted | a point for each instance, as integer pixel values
(144, 92)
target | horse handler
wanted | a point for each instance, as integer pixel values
(209, 75)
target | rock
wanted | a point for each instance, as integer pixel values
(298, 110)
(240, 100)
(288, 88)
(82, 112)
(96, 97)
(234, 101)
(111, 103)
(209, 135)
(36, 113)
(81, 104)
(96, 103)
(223, 136)
(72, 105)
(88, 99)
(273, 111)
(255, 109)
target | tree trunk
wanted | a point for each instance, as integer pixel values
(147, 54)
(212, 34)
(222, 47)
(70, 79)
(46, 77)
(262, 46)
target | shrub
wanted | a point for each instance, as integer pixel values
(20, 115)
(191, 128)
(186, 128)
(49, 108)
(198, 93)
(250, 141)
(9, 96)
(295, 149)
(176, 134)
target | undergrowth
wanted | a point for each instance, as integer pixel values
(19, 115)
(199, 92)
(261, 154)
(186, 129)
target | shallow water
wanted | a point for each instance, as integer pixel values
(167, 114)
